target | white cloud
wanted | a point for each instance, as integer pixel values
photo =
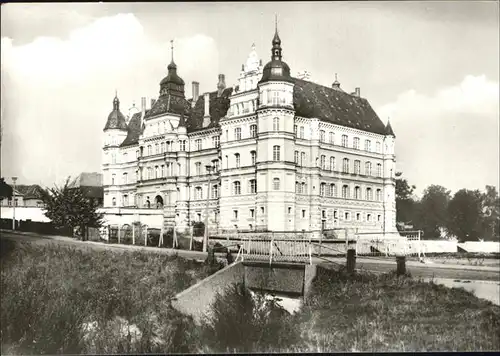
(58, 92)
(449, 138)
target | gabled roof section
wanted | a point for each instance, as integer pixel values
(134, 130)
(388, 129)
(29, 191)
(219, 105)
(312, 100)
(87, 179)
(171, 104)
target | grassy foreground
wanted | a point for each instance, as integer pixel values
(61, 300)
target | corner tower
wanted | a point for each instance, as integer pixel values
(276, 143)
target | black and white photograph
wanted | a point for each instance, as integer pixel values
(250, 177)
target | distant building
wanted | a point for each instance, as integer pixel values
(91, 185)
(24, 195)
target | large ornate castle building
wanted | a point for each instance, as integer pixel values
(274, 152)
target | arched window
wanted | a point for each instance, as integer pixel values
(237, 160)
(215, 191)
(322, 136)
(276, 124)
(113, 176)
(253, 130)
(345, 165)
(236, 188)
(332, 163)
(333, 190)
(302, 159)
(344, 140)
(297, 187)
(369, 194)
(345, 192)
(125, 157)
(331, 137)
(378, 147)
(253, 155)
(379, 170)
(322, 187)
(357, 193)
(276, 183)
(323, 162)
(198, 168)
(198, 193)
(303, 188)
(125, 200)
(125, 178)
(157, 172)
(150, 150)
(163, 170)
(379, 195)
(368, 168)
(276, 153)
(113, 201)
(368, 145)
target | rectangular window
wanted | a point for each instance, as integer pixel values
(323, 162)
(357, 166)
(252, 213)
(301, 132)
(332, 163)
(236, 188)
(303, 213)
(347, 216)
(368, 145)
(356, 143)
(253, 155)
(253, 130)
(198, 168)
(295, 130)
(335, 214)
(358, 216)
(237, 159)
(253, 186)
(344, 140)
(289, 210)
(345, 165)
(182, 145)
(198, 193)
(237, 133)
(235, 214)
(379, 170)
(379, 218)
(215, 141)
(378, 147)
(368, 217)
(262, 210)
(276, 124)
(276, 153)
(276, 184)
(368, 168)
(198, 144)
(302, 158)
(321, 136)
(331, 137)
(296, 157)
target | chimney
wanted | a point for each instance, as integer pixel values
(206, 114)
(221, 85)
(196, 91)
(357, 92)
(143, 105)
(153, 101)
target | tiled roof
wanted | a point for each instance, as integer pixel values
(169, 104)
(312, 100)
(388, 129)
(93, 179)
(218, 109)
(29, 191)
(116, 120)
(134, 130)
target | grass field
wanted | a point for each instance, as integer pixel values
(64, 300)
(59, 300)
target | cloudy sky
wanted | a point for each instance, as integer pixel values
(431, 67)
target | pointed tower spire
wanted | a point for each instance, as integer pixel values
(276, 50)
(172, 65)
(116, 101)
(336, 83)
(388, 129)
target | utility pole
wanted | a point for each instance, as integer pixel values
(14, 204)
(205, 237)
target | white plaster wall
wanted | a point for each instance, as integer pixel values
(24, 213)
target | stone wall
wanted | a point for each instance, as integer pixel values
(197, 299)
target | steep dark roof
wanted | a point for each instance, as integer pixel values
(312, 100)
(172, 104)
(134, 130)
(388, 129)
(116, 120)
(218, 109)
(87, 179)
(29, 191)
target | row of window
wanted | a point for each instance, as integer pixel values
(167, 146)
(300, 159)
(347, 216)
(344, 140)
(331, 191)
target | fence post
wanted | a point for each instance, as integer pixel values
(310, 250)
(119, 230)
(146, 237)
(351, 260)
(271, 249)
(400, 265)
(320, 242)
(133, 234)
(191, 238)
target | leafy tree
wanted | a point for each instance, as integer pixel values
(491, 213)
(68, 207)
(406, 205)
(465, 215)
(5, 189)
(433, 210)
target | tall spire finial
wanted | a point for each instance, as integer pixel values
(172, 49)
(276, 23)
(116, 93)
(335, 76)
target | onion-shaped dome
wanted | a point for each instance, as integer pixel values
(276, 69)
(116, 120)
